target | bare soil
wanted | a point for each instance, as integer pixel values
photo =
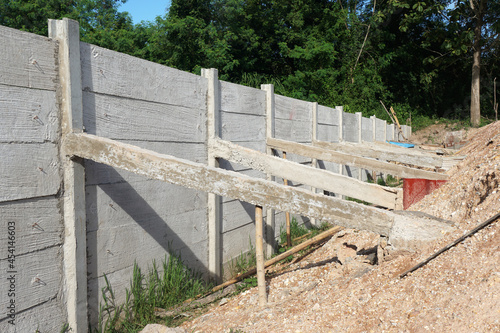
(338, 288)
(436, 134)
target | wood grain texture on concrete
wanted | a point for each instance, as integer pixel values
(28, 60)
(143, 245)
(226, 183)
(48, 316)
(29, 170)
(356, 161)
(147, 202)
(113, 73)
(242, 127)
(38, 279)
(38, 224)
(241, 99)
(117, 118)
(28, 115)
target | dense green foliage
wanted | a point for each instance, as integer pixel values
(414, 55)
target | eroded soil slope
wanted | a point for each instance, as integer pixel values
(338, 289)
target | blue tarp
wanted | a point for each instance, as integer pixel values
(402, 144)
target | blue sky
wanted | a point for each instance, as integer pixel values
(145, 10)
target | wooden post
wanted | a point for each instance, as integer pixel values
(287, 216)
(214, 201)
(67, 33)
(259, 248)
(270, 132)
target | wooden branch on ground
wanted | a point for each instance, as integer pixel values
(319, 238)
(449, 246)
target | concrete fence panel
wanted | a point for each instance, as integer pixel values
(31, 216)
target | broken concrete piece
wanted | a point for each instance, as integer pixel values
(411, 230)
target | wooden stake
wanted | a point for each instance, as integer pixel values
(397, 123)
(287, 215)
(259, 245)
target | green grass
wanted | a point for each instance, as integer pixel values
(173, 285)
(244, 261)
(297, 231)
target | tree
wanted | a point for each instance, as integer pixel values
(468, 29)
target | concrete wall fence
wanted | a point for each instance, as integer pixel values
(129, 218)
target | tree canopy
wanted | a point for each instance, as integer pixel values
(419, 56)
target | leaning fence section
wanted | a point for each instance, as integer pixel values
(129, 218)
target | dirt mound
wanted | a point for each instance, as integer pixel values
(437, 134)
(338, 289)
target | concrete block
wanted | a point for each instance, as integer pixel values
(412, 230)
(38, 224)
(48, 316)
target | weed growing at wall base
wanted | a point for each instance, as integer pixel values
(162, 287)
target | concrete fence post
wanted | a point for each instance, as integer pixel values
(341, 123)
(270, 133)
(67, 33)
(385, 130)
(341, 137)
(314, 137)
(374, 128)
(214, 201)
(359, 120)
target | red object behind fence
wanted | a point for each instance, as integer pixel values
(415, 189)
